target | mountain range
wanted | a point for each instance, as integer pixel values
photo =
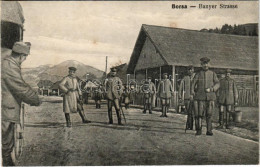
(56, 72)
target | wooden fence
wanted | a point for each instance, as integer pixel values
(246, 98)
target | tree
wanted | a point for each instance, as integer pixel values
(225, 29)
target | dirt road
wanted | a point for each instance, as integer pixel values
(146, 139)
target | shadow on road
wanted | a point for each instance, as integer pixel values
(132, 127)
(45, 125)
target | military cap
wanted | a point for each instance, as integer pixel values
(190, 67)
(228, 70)
(149, 77)
(22, 47)
(72, 69)
(204, 60)
(165, 73)
(113, 69)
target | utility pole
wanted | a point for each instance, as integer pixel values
(106, 67)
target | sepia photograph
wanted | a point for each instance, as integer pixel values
(126, 83)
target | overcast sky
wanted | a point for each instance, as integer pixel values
(90, 31)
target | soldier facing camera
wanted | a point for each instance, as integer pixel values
(206, 83)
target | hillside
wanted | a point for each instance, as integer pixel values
(82, 69)
(55, 73)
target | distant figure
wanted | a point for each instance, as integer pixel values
(149, 91)
(206, 83)
(114, 89)
(98, 93)
(165, 92)
(126, 97)
(14, 92)
(186, 96)
(228, 97)
(72, 100)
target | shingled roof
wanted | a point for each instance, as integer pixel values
(183, 47)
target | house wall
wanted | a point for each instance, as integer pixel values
(244, 81)
(247, 86)
(149, 57)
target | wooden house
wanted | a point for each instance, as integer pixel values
(164, 49)
(12, 28)
(45, 87)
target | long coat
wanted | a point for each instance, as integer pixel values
(202, 81)
(228, 93)
(70, 86)
(114, 88)
(165, 89)
(14, 91)
(185, 86)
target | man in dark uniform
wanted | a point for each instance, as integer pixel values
(206, 83)
(114, 90)
(14, 92)
(228, 97)
(165, 92)
(185, 87)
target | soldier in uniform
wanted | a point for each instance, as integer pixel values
(114, 89)
(185, 87)
(165, 91)
(206, 83)
(149, 91)
(72, 99)
(126, 97)
(228, 97)
(98, 96)
(14, 92)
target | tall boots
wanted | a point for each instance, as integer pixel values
(198, 123)
(227, 120)
(209, 126)
(83, 117)
(126, 106)
(150, 108)
(189, 123)
(7, 161)
(110, 117)
(98, 105)
(221, 120)
(145, 108)
(67, 117)
(164, 111)
(118, 117)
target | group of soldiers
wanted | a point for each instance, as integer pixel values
(200, 92)
(199, 96)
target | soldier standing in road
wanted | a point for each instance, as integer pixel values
(149, 91)
(206, 83)
(72, 100)
(114, 90)
(126, 97)
(185, 87)
(228, 96)
(14, 92)
(98, 96)
(165, 91)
